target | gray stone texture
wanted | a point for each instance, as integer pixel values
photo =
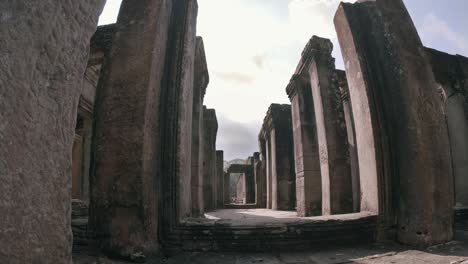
(260, 180)
(124, 206)
(43, 55)
(331, 126)
(185, 97)
(226, 189)
(220, 178)
(352, 148)
(200, 84)
(210, 130)
(451, 73)
(306, 149)
(402, 139)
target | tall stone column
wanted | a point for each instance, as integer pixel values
(43, 61)
(227, 188)
(269, 172)
(451, 73)
(403, 144)
(210, 129)
(201, 80)
(250, 182)
(331, 127)
(125, 186)
(352, 148)
(281, 182)
(306, 150)
(260, 179)
(220, 178)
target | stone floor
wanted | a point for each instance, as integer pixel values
(455, 252)
(268, 216)
(450, 253)
(237, 214)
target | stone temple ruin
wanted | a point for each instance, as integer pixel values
(105, 141)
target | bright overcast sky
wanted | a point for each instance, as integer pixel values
(253, 46)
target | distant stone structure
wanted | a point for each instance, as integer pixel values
(277, 141)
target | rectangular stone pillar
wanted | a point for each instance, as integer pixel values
(125, 186)
(331, 127)
(77, 165)
(185, 99)
(260, 180)
(281, 182)
(403, 144)
(352, 148)
(201, 80)
(40, 87)
(269, 172)
(306, 150)
(250, 181)
(226, 188)
(240, 189)
(451, 73)
(210, 129)
(220, 178)
(81, 153)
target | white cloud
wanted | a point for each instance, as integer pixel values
(434, 28)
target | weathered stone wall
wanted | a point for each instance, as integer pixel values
(402, 139)
(43, 55)
(125, 182)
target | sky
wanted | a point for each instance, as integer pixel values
(253, 46)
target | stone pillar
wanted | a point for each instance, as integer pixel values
(403, 145)
(268, 172)
(451, 73)
(220, 177)
(260, 179)
(250, 182)
(306, 150)
(227, 188)
(41, 70)
(240, 189)
(77, 167)
(352, 148)
(331, 127)
(210, 128)
(125, 186)
(281, 182)
(200, 84)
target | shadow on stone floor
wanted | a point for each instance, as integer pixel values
(450, 253)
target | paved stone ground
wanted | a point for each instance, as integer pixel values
(450, 253)
(268, 216)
